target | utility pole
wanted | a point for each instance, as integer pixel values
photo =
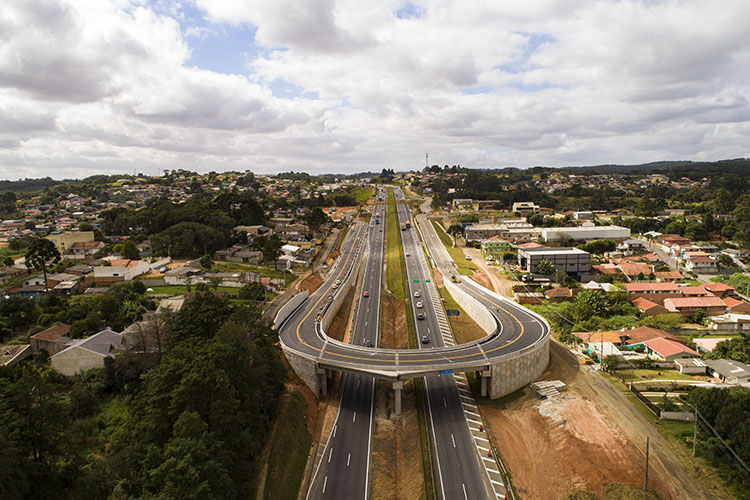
(426, 160)
(645, 477)
(695, 427)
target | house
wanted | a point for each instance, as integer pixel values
(702, 265)
(649, 308)
(52, 339)
(561, 294)
(64, 241)
(86, 249)
(668, 350)
(639, 335)
(240, 253)
(707, 344)
(462, 204)
(728, 371)
(721, 290)
(730, 321)
(83, 354)
(694, 291)
(495, 245)
(31, 291)
(737, 306)
(634, 271)
(652, 288)
(711, 305)
(66, 288)
(630, 246)
(602, 287)
(690, 366)
(668, 276)
(12, 355)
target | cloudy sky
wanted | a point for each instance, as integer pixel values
(113, 86)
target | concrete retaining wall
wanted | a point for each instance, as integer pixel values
(288, 308)
(306, 369)
(513, 371)
(473, 307)
(346, 283)
(680, 416)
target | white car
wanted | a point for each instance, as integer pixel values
(419, 305)
(417, 294)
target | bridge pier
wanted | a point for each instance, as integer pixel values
(484, 377)
(397, 386)
(323, 381)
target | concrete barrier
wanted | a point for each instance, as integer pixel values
(289, 308)
(472, 306)
(680, 416)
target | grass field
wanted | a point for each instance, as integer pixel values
(465, 329)
(459, 258)
(395, 263)
(362, 195)
(654, 374)
(289, 449)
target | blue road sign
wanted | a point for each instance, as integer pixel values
(446, 371)
(453, 312)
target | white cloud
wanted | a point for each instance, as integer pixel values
(90, 86)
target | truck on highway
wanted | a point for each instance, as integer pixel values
(403, 226)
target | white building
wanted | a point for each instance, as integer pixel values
(585, 232)
(84, 354)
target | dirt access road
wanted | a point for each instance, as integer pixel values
(588, 437)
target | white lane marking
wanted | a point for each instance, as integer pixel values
(472, 413)
(445, 403)
(488, 459)
(348, 459)
(464, 487)
(354, 417)
(452, 439)
(496, 482)
(334, 430)
(481, 438)
(482, 448)
(325, 481)
(329, 455)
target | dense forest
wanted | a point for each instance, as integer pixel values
(190, 425)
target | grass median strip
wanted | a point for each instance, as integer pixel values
(459, 258)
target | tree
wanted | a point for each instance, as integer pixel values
(252, 291)
(272, 249)
(8, 261)
(593, 300)
(129, 250)
(42, 251)
(315, 217)
(545, 267)
(610, 363)
(207, 261)
(455, 230)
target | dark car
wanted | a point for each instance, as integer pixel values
(425, 340)
(420, 315)
(367, 343)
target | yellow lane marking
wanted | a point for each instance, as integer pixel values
(391, 361)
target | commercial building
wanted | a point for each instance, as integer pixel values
(570, 260)
(65, 241)
(585, 232)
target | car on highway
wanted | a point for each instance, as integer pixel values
(420, 315)
(425, 340)
(366, 294)
(367, 343)
(335, 286)
(468, 257)
(419, 305)
(417, 294)
(338, 282)
(408, 254)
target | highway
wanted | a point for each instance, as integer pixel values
(343, 470)
(459, 474)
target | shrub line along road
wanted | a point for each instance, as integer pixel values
(460, 475)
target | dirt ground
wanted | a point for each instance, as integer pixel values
(392, 323)
(311, 283)
(587, 438)
(396, 450)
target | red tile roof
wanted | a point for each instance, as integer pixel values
(666, 347)
(53, 333)
(666, 287)
(718, 287)
(694, 291)
(632, 269)
(644, 333)
(644, 304)
(677, 303)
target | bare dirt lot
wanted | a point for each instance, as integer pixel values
(392, 323)
(589, 437)
(311, 283)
